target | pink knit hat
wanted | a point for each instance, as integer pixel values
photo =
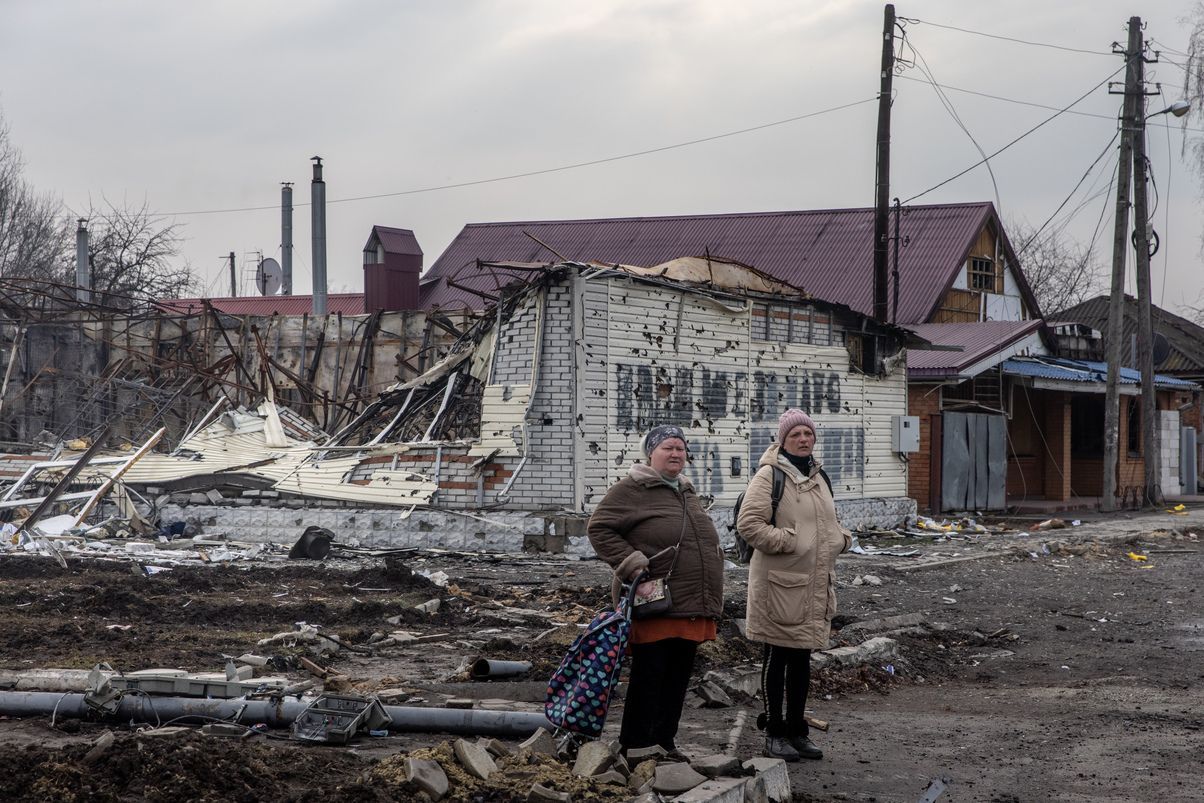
(791, 419)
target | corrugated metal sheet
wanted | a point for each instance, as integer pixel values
(1186, 338)
(726, 389)
(827, 253)
(1063, 370)
(977, 340)
(345, 303)
(395, 241)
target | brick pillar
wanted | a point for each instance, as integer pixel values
(923, 401)
(1057, 439)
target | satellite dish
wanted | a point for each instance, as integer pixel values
(269, 277)
(1161, 348)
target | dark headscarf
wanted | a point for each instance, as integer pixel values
(658, 435)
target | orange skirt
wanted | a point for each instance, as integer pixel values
(696, 628)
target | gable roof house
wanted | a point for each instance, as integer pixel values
(986, 420)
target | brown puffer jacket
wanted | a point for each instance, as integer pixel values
(641, 513)
(792, 575)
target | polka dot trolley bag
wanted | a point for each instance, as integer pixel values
(580, 689)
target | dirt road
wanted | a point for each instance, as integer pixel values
(1071, 676)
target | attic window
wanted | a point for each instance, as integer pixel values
(984, 274)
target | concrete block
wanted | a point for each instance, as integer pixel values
(675, 778)
(540, 743)
(542, 794)
(593, 758)
(475, 760)
(871, 651)
(772, 771)
(428, 776)
(718, 790)
(715, 765)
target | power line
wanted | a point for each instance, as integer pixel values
(948, 104)
(543, 171)
(1039, 125)
(1065, 201)
(1008, 38)
(1034, 104)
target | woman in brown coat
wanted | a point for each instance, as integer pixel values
(652, 520)
(791, 577)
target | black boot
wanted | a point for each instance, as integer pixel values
(805, 747)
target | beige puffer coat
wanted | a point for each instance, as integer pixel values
(792, 575)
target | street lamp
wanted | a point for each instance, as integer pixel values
(1177, 109)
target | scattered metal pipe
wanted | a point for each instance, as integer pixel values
(484, 668)
(277, 713)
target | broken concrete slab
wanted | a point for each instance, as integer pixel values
(474, 759)
(99, 747)
(715, 765)
(885, 623)
(637, 755)
(592, 758)
(642, 774)
(712, 695)
(772, 771)
(542, 794)
(611, 777)
(428, 776)
(874, 650)
(675, 778)
(717, 790)
(539, 743)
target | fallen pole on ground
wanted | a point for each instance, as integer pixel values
(278, 713)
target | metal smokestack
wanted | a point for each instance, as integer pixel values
(318, 228)
(83, 274)
(286, 237)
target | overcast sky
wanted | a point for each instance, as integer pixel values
(202, 107)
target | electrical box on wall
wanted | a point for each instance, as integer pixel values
(904, 433)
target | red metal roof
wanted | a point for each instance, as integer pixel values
(345, 303)
(828, 253)
(977, 340)
(395, 241)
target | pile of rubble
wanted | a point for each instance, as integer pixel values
(541, 771)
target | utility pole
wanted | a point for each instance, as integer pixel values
(233, 276)
(1132, 56)
(882, 177)
(1150, 446)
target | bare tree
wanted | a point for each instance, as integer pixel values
(132, 253)
(34, 233)
(1061, 271)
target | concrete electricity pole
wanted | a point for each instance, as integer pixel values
(882, 178)
(1120, 246)
(1150, 446)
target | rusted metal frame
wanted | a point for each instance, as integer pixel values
(356, 376)
(380, 436)
(12, 360)
(474, 291)
(265, 364)
(65, 482)
(229, 345)
(116, 475)
(166, 406)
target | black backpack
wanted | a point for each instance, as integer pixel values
(744, 550)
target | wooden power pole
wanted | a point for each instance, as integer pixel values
(1120, 246)
(882, 176)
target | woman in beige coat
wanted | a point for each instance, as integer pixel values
(791, 578)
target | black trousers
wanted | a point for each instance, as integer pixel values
(656, 692)
(785, 673)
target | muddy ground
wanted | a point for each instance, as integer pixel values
(1071, 676)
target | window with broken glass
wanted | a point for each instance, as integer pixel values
(788, 323)
(982, 274)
